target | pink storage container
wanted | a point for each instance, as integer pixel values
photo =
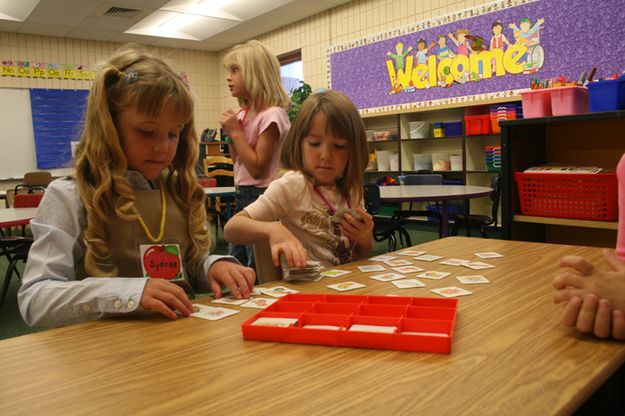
(536, 103)
(568, 100)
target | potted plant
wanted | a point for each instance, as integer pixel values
(298, 95)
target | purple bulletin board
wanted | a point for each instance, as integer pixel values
(545, 39)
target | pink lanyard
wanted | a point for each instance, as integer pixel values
(333, 210)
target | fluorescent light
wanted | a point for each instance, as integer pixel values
(207, 8)
(16, 11)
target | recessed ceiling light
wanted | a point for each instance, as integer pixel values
(16, 11)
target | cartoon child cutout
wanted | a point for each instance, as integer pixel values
(422, 52)
(400, 55)
(498, 40)
(461, 42)
(526, 34)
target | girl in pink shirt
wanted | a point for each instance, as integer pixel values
(302, 214)
(258, 129)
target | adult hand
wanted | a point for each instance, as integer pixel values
(163, 296)
(239, 279)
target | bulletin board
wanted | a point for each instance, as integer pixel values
(461, 57)
(19, 153)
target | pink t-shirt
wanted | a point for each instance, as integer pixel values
(620, 241)
(253, 128)
(293, 201)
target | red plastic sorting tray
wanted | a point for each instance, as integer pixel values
(586, 196)
(421, 324)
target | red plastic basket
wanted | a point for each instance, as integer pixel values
(584, 196)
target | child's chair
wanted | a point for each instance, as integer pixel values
(266, 271)
(479, 221)
(220, 169)
(384, 229)
(14, 249)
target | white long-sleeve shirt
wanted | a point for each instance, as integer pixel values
(50, 295)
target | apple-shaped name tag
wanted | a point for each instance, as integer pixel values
(161, 261)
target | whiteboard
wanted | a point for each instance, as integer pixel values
(17, 138)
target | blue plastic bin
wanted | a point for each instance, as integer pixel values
(607, 95)
(452, 128)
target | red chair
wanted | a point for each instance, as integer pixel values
(27, 200)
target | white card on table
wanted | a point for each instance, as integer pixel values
(334, 273)
(472, 280)
(489, 255)
(478, 265)
(345, 286)
(451, 291)
(229, 300)
(255, 291)
(373, 328)
(210, 312)
(258, 303)
(382, 258)
(454, 262)
(387, 277)
(413, 253)
(277, 291)
(400, 262)
(270, 321)
(408, 269)
(433, 275)
(408, 283)
(428, 257)
(371, 268)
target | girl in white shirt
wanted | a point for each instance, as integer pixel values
(326, 155)
(133, 209)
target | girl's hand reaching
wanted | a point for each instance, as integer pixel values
(239, 279)
(163, 296)
(229, 122)
(281, 240)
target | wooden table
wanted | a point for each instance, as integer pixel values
(440, 193)
(220, 191)
(510, 355)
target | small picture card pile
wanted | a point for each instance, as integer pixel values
(211, 313)
(310, 273)
(338, 214)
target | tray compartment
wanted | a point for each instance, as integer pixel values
(268, 333)
(345, 298)
(388, 300)
(335, 308)
(382, 310)
(426, 336)
(369, 339)
(299, 334)
(425, 312)
(289, 307)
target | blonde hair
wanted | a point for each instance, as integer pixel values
(260, 71)
(343, 121)
(133, 78)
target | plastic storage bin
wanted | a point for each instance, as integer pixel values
(536, 103)
(452, 128)
(583, 196)
(503, 112)
(568, 100)
(493, 158)
(413, 324)
(475, 125)
(421, 161)
(437, 129)
(607, 95)
(419, 129)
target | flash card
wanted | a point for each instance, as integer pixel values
(281, 322)
(472, 280)
(489, 255)
(371, 268)
(334, 273)
(211, 313)
(387, 277)
(478, 265)
(408, 283)
(338, 215)
(277, 291)
(258, 303)
(427, 334)
(345, 286)
(382, 257)
(454, 262)
(373, 328)
(326, 327)
(433, 275)
(413, 253)
(428, 257)
(399, 262)
(229, 300)
(408, 269)
(255, 291)
(451, 291)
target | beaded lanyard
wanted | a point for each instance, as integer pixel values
(333, 210)
(161, 233)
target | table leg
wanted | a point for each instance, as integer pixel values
(445, 218)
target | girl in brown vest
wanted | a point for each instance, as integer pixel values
(128, 231)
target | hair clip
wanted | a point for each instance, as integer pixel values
(130, 76)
